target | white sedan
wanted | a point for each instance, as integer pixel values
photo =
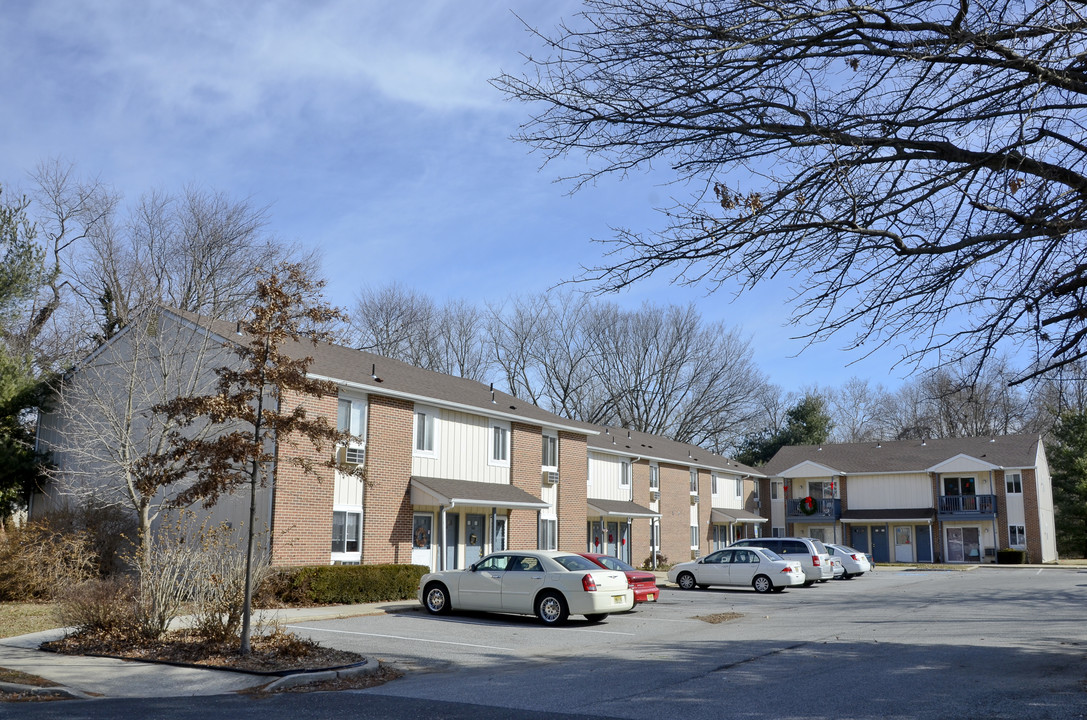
(548, 584)
(854, 562)
(758, 567)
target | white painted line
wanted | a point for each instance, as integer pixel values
(399, 637)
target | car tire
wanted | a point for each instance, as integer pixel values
(846, 576)
(436, 599)
(686, 581)
(809, 583)
(596, 617)
(762, 584)
(551, 609)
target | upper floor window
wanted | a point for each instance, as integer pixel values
(624, 474)
(694, 481)
(500, 444)
(739, 488)
(713, 483)
(426, 431)
(351, 418)
(550, 457)
(654, 477)
(775, 490)
(1015, 482)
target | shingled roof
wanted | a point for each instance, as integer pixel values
(632, 443)
(901, 456)
(384, 376)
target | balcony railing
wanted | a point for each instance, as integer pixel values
(967, 504)
(824, 509)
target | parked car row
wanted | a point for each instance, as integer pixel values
(552, 585)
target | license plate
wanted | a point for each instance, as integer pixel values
(618, 599)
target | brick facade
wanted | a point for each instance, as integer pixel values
(387, 511)
(525, 457)
(675, 511)
(302, 501)
(573, 490)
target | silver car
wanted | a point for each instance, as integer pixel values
(854, 562)
(548, 584)
(758, 567)
(809, 552)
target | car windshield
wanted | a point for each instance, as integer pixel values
(576, 562)
(612, 563)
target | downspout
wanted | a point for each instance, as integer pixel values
(494, 528)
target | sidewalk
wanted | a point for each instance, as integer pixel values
(91, 677)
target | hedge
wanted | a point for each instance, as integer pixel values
(341, 584)
(1011, 557)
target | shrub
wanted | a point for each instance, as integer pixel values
(333, 584)
(99, 605)
(219, 592)
(41, 558)
(662, 562)
(1011, 557)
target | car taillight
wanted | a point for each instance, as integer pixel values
(786, 569)
(855, 557)
(589, 583)
(815, 560)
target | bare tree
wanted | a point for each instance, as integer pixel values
(857, 408)
(107, 445)
(913, 162)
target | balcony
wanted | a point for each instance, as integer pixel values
(959, 505)
(824, 510)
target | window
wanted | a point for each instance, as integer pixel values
(550, 452)
(694, 536)
(1017, 535)
(1015, 483)
(654, 536)
(694, 481)
(500, 444)
(739, 488)
(345, 531)
(820, 489)
(499, 533)
(425, 432)
(654, 477)
(351, 418)
(713, 483)
(775, 490)
(548, 534)
(624, 474)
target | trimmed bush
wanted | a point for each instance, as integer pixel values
(341, 584)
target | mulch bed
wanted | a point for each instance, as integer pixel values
(275, 652)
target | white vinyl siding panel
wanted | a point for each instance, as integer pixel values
(605, 472)
(349, 490)
(726, 496)
(464, 450)
(880, 492)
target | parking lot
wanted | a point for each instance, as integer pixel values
(989, 642)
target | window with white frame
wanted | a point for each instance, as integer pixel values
(426, 431)
(1017, 535)
(694, 537)
(775, 490)
(1014, 482)
(624, 474)
(351, 418)
(346, 532)
(500, 444)
(654, 536)
(713, 483)
(654, 477)
(548, 534)
(694, 481)
(739, 488)
(550, 458)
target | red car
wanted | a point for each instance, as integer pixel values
(644, 584)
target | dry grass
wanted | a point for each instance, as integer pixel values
(25, 618)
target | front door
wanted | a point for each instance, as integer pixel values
(903, 544)
(964, 490)
(473, 538)
(422, 551)
(611, 540)
(881, 551)
(963, 545)
(859, 535)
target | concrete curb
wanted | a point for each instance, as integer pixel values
(369, 667)
(44, 690)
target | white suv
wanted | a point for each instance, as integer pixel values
(809, 552)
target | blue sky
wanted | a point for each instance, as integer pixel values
(370, 131)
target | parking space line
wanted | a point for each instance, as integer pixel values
(399, 637)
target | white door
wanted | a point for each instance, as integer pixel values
(422, 549)
(903, 544)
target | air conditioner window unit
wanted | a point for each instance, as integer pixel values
(550, 477)
(351, 455)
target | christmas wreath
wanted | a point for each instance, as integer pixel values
(807, 505)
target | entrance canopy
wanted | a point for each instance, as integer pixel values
(732, 515)
(889, 515)
(619, 509)
(451, 493)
